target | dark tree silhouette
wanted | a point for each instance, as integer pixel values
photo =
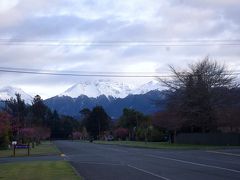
(197, 93)
(96, 121)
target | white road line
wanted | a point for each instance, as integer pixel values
(96, 163)
(224, 153)
(193, 163)
(147, 172)
(113, 149)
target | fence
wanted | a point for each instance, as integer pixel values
(208, 138)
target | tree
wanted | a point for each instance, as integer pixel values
(5, 120)
(167, 121)
(84, 133)
(96, 121)
(85, 114)
(134, 121)
(121, 133)
(55, 125)
(77, 135)
(18, 110)
(67, 126)
(16, 107)
(39, 110)
(27, 134)
(195, 94)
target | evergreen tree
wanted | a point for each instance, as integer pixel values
(96, 121)
(39, 110)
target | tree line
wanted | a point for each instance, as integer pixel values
(32, 123)
(203, 98)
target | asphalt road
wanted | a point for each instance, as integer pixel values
(110, 162)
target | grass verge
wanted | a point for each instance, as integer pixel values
(160, 145)
(45, 148)
(47, 170)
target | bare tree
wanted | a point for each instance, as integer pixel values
(196, 93)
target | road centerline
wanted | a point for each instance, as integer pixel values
(193, 163)
(113, 149)
(224, 153)
(147, 172)
(98, 163)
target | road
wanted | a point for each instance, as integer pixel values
(111, 162)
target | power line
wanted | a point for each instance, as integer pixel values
(151, 43)
(93, 74)
(118, 45)
(79, 75)
(84, 72)
(118, 41)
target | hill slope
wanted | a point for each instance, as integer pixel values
(145, 103)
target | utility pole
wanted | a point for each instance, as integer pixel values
(99, 129)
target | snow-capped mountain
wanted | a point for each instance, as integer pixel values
(145, 103)
(9, 92)
(145, 88)
(108, 88)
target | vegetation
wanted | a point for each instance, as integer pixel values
(33, 123)
(135, 123)
(97, 122)
(204, 98)
(196, 98)
(45, 148)
(4, 129)
(47, 170)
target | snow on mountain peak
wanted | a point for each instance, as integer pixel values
(9, 92)
(150, 86)
(108, 88)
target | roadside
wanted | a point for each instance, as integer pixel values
(163, 145)
(45, 148)
(60, 170)
(45, 162)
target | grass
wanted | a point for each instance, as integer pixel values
(45, 148)
(47, 170)
(159, 145)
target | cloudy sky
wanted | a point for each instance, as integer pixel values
(123, 36)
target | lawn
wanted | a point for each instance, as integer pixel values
(45, 148)
(47, 170)
(158, 145)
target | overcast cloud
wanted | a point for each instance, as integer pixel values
(111, 20)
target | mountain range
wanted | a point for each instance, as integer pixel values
(9, 92)
(109, 89)
(113, 96)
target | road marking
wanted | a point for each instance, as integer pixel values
(197, 164)
(96, 163)
(113, 149)
(147, 172)
(224, 153)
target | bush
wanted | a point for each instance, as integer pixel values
(121, 133)
(157, 135)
